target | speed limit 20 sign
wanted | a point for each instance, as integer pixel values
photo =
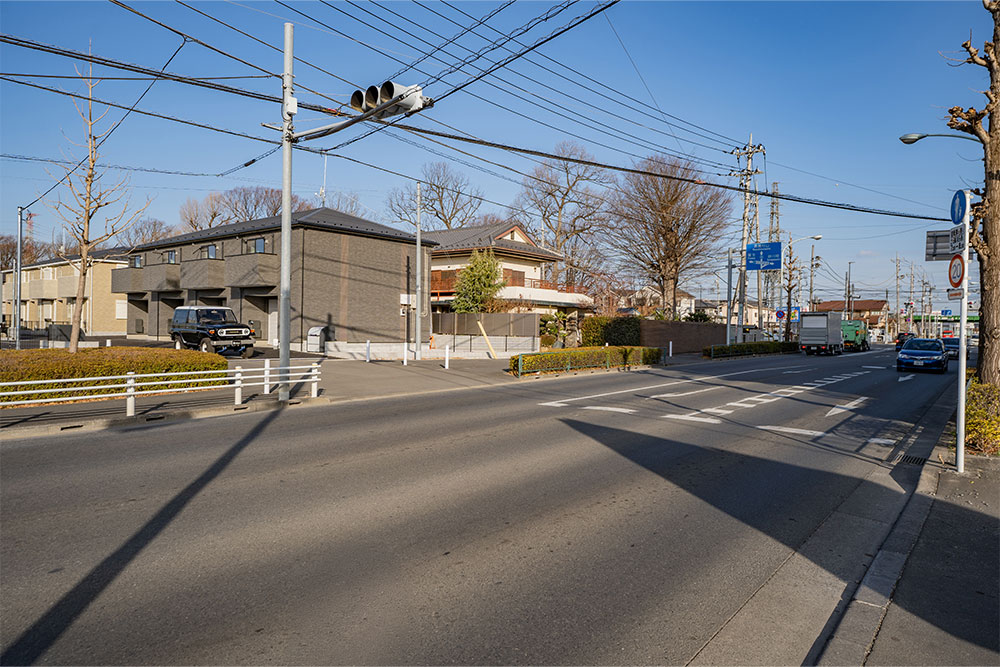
(956, 271)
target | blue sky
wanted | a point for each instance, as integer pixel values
(826, 87)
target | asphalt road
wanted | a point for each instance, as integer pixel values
(716, 513)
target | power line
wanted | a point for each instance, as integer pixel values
(29, 75)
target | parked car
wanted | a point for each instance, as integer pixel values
(902, 338)
(952, 345)
(211, 329)
(922, 353)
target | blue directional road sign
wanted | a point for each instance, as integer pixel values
(946, 312)
(764, 256)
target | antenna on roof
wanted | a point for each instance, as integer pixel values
(322, 190)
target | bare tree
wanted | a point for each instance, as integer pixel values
(258, 202)
(89, 200)
(447, 195)
(666, 227)
(346, 202)
(558, 194)
(31, 250)
(205, 214)
(985, 237)
(144, 231)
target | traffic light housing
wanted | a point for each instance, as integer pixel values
(410, 99)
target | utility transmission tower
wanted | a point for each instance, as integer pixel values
(751, 228)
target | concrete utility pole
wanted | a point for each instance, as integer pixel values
(17, 281)
(812, 267)
(896, 318)
(746, 178)
(910, 300)
(289, 105)
(420, 276)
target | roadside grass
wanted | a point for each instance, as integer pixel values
(982, 418)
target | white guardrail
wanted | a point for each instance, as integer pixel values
(132, 384)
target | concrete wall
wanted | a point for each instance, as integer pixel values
(686, 336)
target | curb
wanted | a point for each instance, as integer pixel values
(854, 636)
(84, 425)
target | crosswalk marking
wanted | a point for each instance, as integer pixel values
(794, 431)
(695, 418)
(608, 409)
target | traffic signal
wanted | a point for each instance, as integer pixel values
(408, 99)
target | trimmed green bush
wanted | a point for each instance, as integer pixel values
(982, 419)
(585, 357)
(22, 365)
(748, 349)
(599, 330)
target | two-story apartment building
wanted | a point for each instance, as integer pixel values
(348, 275)
(521, 260)
(48, 294)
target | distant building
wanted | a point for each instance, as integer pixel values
(48, 294)
(521, 260)
(873, 311)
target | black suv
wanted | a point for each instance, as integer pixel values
(211, 329)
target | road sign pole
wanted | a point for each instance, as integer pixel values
(729, 296)
(962, 338)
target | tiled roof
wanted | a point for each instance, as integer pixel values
(485, 236)
(116, 253)
(859, 305)
(320, 218)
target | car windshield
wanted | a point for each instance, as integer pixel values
(216, 316)
(923, 344)
(950, 342)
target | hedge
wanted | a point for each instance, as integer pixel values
(982, 418)
(599, 330)
(22, 365)
(584, 357)
(748, 349)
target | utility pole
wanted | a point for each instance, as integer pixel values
(289, 105)
(910, 300)
(17, 281)
(420, 302)
(772, 279)
(812, 267)
(746, 177)
(847, 294)
(897, 295)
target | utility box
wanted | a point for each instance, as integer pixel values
(316, 339)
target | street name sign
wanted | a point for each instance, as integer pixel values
(764, 256)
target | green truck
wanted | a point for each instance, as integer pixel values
(855, 335)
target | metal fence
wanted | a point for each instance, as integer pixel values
(131, 384)
(495, 324)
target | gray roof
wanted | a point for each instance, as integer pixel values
(485, 236)
(118, 253)
(318, 218)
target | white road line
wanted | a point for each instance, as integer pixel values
(881, 441)
(608, 409)
(740, 404)
(562, 402)
(877, 367)
(685, 393)
(795, 431)
(693, 418)
(718, 411)
(846, 406)
(906, 377)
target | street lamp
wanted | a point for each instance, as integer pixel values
(914, 138)
(788, 312)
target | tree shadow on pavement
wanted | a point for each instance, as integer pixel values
(45, 631)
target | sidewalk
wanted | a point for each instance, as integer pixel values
(932, 594)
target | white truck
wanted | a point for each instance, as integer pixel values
(821, 333)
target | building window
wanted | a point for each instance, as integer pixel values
(255, 245)
(135, 261)
(47, 273)
(210, 251)
(171, 256)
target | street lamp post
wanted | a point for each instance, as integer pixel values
(913, 138)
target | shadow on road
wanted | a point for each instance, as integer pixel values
(44, 632)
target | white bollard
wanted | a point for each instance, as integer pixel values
(130, 390)
(267, 376)
(238, 398)
(404, 353)
(671, 348)
(447, 356)
(368, 351)
(314, 391)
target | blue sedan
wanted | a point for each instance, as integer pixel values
(922, 353)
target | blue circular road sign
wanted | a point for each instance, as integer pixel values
(779, 314)
(959, 206)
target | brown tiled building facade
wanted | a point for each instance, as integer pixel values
(347, 274)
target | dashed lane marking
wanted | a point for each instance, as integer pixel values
(875, 367)
(685, 393)
(794, 431)
(608, 409)
(695, 418)
(906, 377)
